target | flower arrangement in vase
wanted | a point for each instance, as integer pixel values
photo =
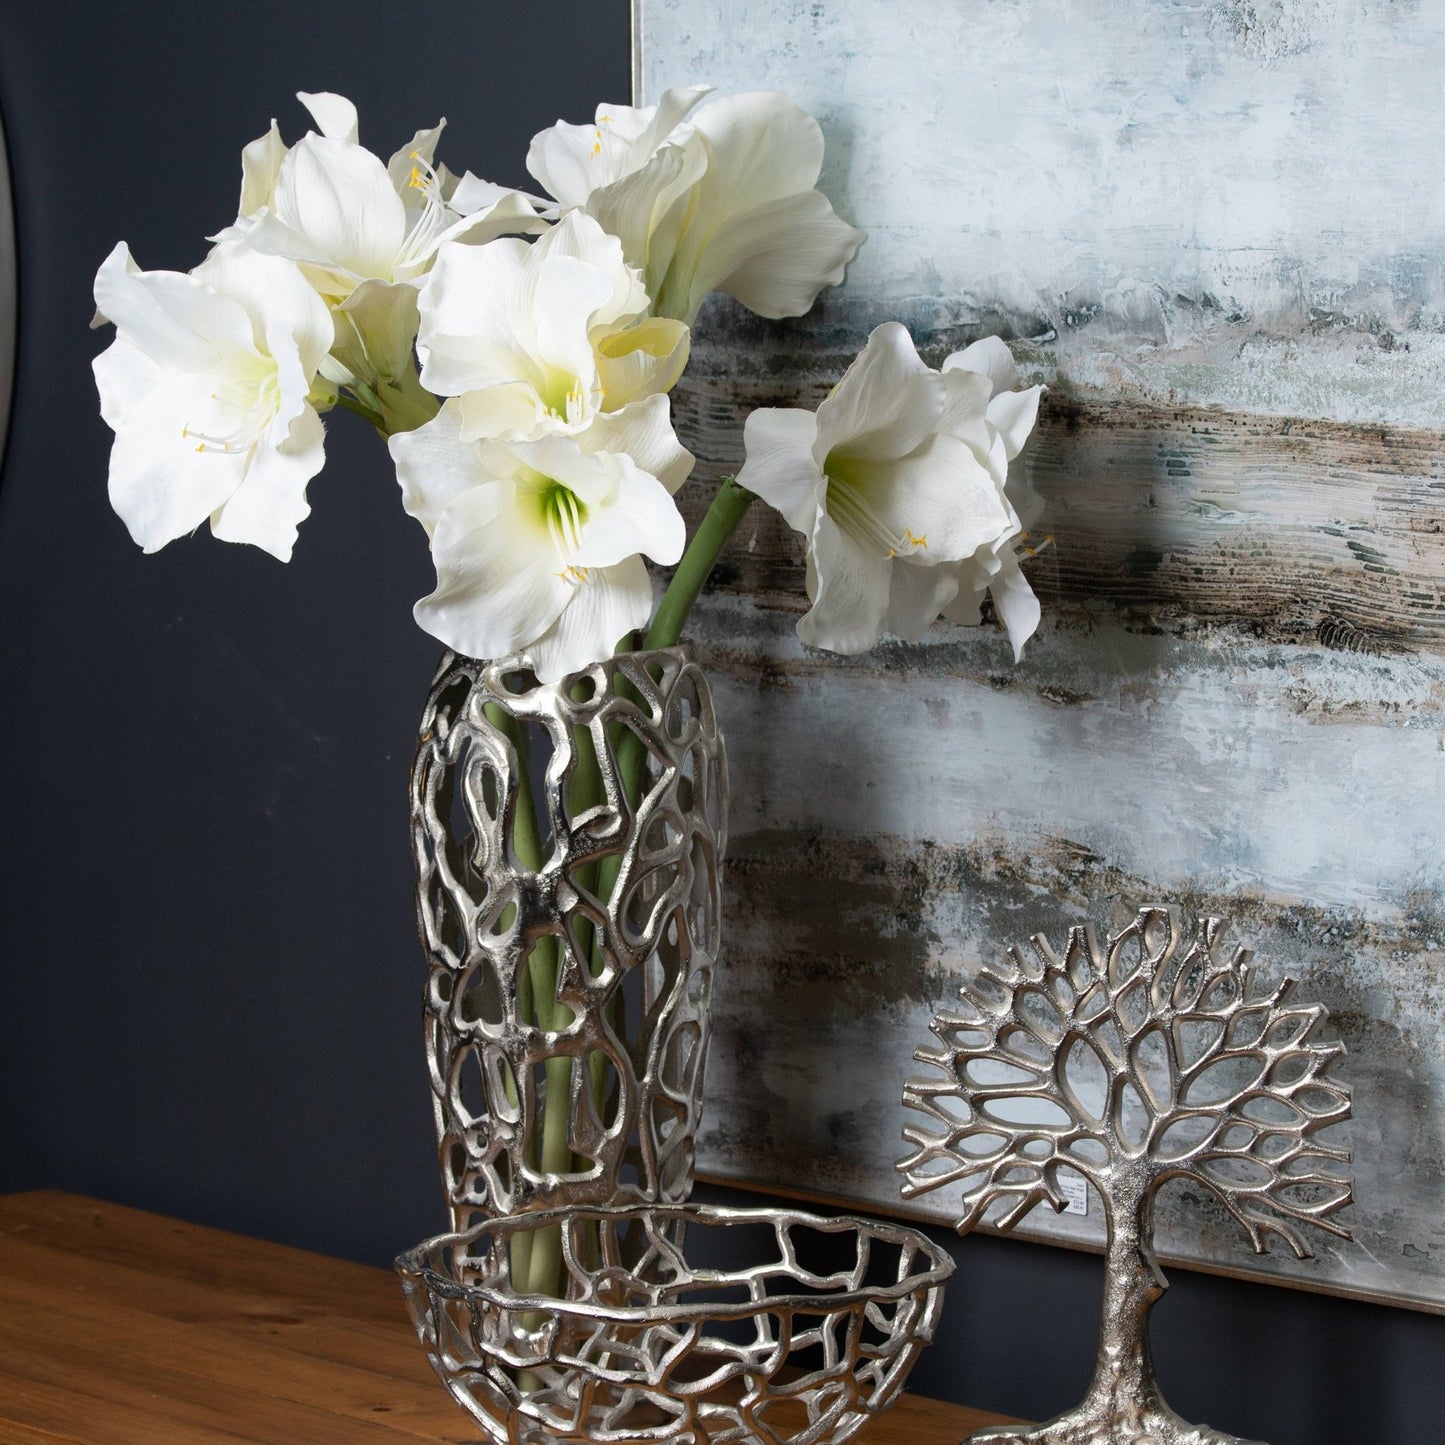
(516, 353)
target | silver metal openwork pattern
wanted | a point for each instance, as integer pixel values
(652, 1342)
(1157, 1055)
(623, 902)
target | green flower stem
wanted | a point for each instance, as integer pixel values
(351, 404)
(723, 517)
(544, 1275)
(536, 1255)
(405, 403)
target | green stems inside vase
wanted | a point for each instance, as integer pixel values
(537, 1256)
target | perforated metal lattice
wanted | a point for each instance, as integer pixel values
(619, 917)
(651, 1343)
(1152, 1055)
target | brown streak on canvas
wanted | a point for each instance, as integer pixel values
(1287, 530)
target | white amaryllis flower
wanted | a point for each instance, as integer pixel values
(543, 337)
(897, 483)
(721, 200)
(365, 232)
(206, 388)
(538, 544)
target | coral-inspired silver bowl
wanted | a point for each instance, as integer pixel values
(659, 1338)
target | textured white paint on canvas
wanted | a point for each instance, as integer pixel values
(1234, 202)
(1217, 229)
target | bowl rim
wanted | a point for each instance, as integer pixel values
(412, 1265)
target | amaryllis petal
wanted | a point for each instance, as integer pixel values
(270, 503)
(966, 609)
(260, 165)
(435, 467)
(938, 500)
(648, 210)
(988, 357)
(510, 411)
(752, 232)
(916, 596)
(574, 161)
(965, 416)
(295, 322)
(780, 467)
(127, 380)
(465, 339)
(848, 586)
(641, 517)
(641, 360)
(159, 486)
(643, 431)
(375, 328)
(1013, 414)
(674, 106)
(612, 602)
(166, 313)
(568, 162)
(498, 586)
(552, 462)
(335, 116)
(764, 145)
(579, 237)
(473, 196)
(1014, 600)
(887, 403)
(340, 200)
(558, 302)
(776, 258)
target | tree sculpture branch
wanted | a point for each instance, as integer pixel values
(1153, 1057)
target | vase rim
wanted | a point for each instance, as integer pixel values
(521, 661)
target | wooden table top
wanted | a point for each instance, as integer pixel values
(124, 1328)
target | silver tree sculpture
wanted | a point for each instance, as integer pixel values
(1151, 1058)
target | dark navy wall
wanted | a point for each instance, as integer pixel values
(211, 975)
(211, 984)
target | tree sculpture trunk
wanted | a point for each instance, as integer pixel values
(1123, 1388)
(1124, 1405)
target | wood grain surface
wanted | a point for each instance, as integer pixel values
(124, 1328)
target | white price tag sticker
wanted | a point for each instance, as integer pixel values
(1075, 1192)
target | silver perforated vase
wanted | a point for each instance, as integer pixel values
(568, 842)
